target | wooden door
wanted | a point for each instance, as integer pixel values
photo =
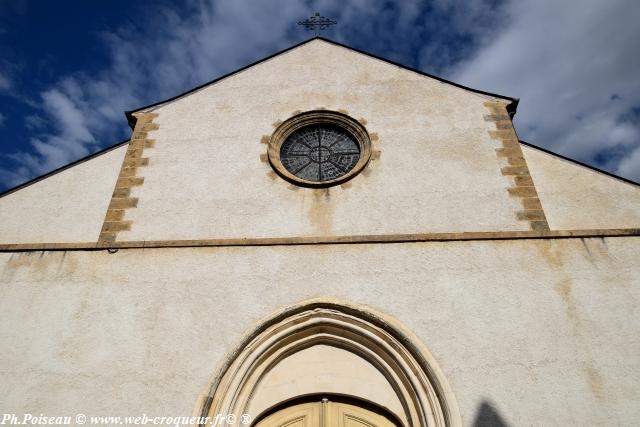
(325, 414)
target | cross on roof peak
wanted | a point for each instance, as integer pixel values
(317, 23)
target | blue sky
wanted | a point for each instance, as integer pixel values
(69, 69)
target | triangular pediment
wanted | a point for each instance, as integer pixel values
(444, 161)
(513, 102)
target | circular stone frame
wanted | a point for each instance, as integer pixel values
(346, 123)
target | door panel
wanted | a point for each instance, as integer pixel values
(343, 415)
(304, 415)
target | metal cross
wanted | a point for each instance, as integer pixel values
(317, 23)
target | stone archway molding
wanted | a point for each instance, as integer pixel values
(405, 362)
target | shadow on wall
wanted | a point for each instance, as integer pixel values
(487, 416)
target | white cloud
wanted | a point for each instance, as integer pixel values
(69, 119)
(630, 166)
(34, 122)
(5, 83)
(575, 66)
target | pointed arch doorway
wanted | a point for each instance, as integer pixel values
(329, 347)
(331, 411)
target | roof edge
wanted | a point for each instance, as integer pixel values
(511, 107)
(579, 163)
(63, 168)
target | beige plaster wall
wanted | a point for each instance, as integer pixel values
(66, 207)
(545, 331)
(576, 197)
(437, 171)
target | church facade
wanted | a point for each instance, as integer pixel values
(324, 238)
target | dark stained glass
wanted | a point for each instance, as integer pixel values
(319, 152)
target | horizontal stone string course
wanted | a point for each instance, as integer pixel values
(515, 167)
(332, 240)
(128, 178)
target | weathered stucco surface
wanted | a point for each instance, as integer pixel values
(66, 207)
(437, 171)
(545, 331)
(574, 196)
